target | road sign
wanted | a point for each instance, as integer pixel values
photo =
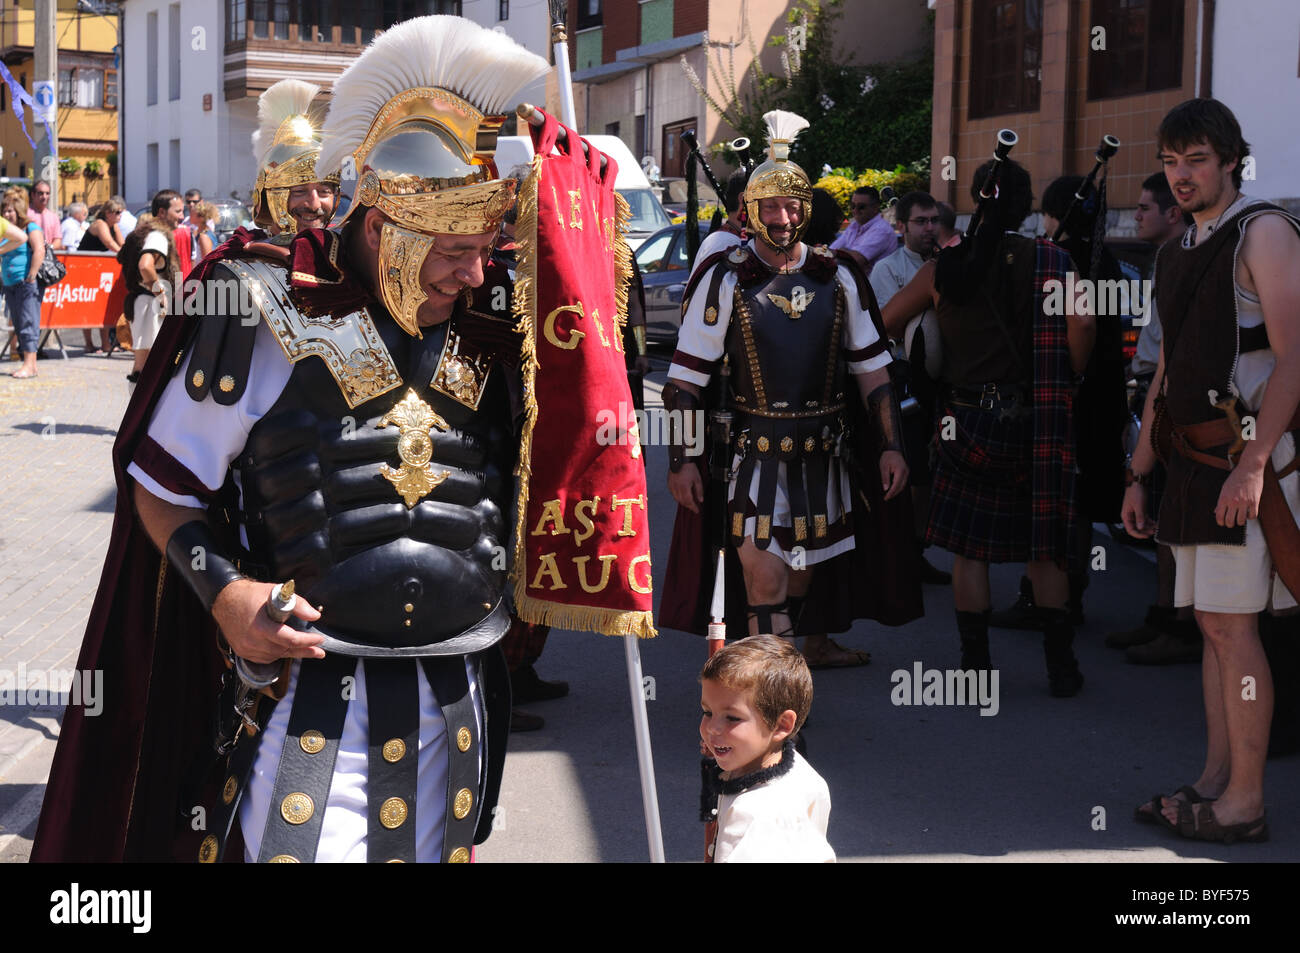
(43, 95)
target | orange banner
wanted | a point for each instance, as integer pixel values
(91, 296)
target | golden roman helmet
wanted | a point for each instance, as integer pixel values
(287, 145)
(413, 125)
(778, 177)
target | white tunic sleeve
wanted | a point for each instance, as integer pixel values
(699, 345)
(203, 438)
(866, 351)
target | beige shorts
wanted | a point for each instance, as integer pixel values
(1229, 579)
(146, 322)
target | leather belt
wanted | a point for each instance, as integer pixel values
(827, 411)
(483, 634)
(1193, 440)
(988, 397)
(1275, 517)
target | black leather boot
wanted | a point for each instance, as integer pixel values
(1063, 676)
(1022, 614)
(973, 627)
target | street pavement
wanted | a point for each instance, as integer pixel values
(1043, 779)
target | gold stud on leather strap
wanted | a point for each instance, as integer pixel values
(297, 808)
(208, 850)
(460, 807)
(394, 750)
(393, 813)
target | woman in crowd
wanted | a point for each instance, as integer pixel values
(105, 232)
(18, 269)
(204, 218)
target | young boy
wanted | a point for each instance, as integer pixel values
(772, 806)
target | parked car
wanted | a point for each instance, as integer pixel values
(233, 215)
(664, 270)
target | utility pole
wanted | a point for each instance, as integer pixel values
(45, 90)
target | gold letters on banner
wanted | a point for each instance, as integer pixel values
(415, 420)
(551, 522)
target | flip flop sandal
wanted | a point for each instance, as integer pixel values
(1206, 827)
(1156, 816)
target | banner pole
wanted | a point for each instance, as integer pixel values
(644, 757)
(560, 46)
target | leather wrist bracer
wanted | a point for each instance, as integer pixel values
(882, 405)
(194, 552)
(680, 407)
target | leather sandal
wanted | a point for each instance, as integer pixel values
(1204, 826)
(849, 658)
(1151, 813)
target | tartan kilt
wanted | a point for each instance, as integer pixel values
(981, 494)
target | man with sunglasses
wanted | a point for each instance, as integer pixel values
(869, 237)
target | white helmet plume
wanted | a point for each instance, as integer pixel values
(288, 97)
(484, 67)
(783, 125)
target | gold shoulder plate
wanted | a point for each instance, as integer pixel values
(349, 344)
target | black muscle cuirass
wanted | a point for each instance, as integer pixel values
(318, 508)
(785, 350)
(784, 345)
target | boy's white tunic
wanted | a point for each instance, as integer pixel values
(778, 821)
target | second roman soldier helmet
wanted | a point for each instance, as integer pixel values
(778, 177)
(287, 146)
(413, 124)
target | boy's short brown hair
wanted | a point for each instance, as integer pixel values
(769, 670)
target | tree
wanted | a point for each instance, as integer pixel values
(862, 117)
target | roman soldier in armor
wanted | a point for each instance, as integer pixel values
(795, 334)
(353, 430)
(290, 194)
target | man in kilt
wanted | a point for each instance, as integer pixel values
(1004, 479)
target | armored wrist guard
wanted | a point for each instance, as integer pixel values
(681, 407)
(882, 405)
(194, 553)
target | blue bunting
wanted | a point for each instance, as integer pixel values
(22, 98)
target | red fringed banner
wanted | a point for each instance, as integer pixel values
(582, 556)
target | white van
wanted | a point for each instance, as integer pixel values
(648, 215)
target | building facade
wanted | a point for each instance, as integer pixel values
(630, 81)
(1063, 73)
(195, 69)
(87, 96)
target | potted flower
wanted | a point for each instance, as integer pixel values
(69, 168)
(93, 169)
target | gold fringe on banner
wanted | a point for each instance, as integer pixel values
(524, 306)
(622, 259)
